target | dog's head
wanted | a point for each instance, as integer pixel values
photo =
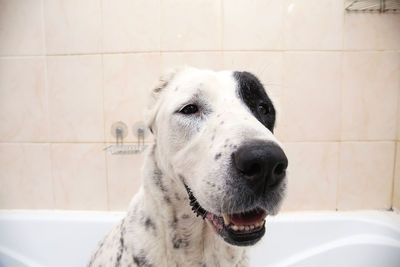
(214, 133)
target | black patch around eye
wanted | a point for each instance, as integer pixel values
(253, 94)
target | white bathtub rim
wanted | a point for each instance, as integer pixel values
(385, 218)
(62, 215)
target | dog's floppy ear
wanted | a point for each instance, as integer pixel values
(154, 104)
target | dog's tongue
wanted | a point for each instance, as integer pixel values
(248, 218)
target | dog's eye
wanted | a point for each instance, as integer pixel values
(263, 109)
(189, 109)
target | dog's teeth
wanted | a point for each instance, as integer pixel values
(266, 214)
(241, 228)
(247, 228)
(235, 227)
(252, 227)
(227, 220)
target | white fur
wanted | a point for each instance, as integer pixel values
(185, 150)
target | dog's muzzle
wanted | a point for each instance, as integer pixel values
(263, 166)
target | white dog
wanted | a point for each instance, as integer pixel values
(214, 173)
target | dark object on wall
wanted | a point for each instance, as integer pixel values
(374, 5)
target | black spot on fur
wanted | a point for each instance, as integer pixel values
(210, 184)
(253, 94)
(213, 137)
(222, 122)
(175, 221)
(141, 260)
(185, 216)
(167, 199)
(177, 197)
(158, 180)
(217, 156)
(178, 242)
(149, 224)
(121, 244)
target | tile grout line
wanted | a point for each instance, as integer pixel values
(396, 156)
(340, 145)
(47, 92)
(148, 142)
(340, 134)
(103, 105)
(207, 51)
(161, 72)
(222, 30)
(160, 29)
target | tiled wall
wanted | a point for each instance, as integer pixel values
(70, 69)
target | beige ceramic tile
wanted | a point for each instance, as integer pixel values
(311, 100)
(371, 83)
(124, 179)
(267, 66)
(252, 25)
(21, 31)
(371, 31)
(313, 176)
(366, 175)
(23, 100)
(314, 24)
(75, 98)
(72, 26)
(201, 60)
(25, 176)
(79, 173)
(194, 26)
(396, 183)
(128, 81)
(131, 25)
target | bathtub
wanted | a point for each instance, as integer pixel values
(60, 238)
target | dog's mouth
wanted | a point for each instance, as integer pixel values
(239, 229)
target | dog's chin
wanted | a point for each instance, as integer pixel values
(239, 229)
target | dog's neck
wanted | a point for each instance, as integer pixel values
(181, 238)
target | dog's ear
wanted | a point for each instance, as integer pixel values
(157, 90)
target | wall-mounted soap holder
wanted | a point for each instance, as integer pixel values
(119, 130)
(381, 6)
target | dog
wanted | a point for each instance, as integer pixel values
(213, 174)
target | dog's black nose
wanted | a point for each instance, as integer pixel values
(262, 164)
